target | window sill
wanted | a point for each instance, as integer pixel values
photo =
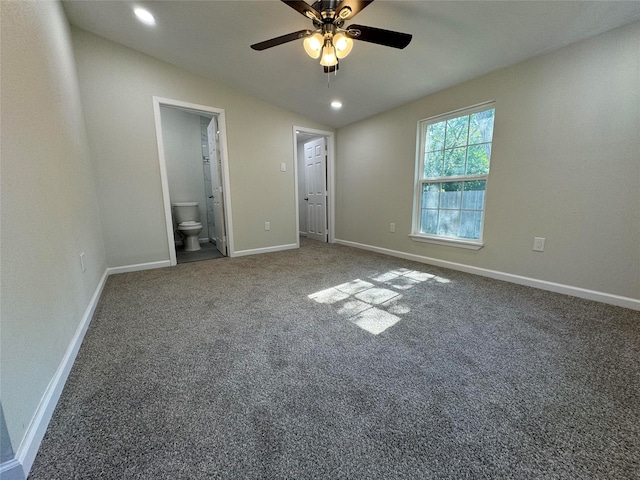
(449, 242)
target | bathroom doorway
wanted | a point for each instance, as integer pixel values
(194, 170)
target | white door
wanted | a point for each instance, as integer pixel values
(215, 161)
(315, 161)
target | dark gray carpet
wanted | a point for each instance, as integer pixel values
(229, 369)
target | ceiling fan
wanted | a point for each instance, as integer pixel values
(330, 40)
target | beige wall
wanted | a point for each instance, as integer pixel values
(565, 166)
(49, 208)
(117, 86)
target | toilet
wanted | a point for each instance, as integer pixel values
(186, 217)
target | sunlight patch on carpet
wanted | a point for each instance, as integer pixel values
(376, 296)
(354, 286)
(329, 296)
(377, 306)
(375, 320)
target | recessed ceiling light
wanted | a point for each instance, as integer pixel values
(144, 16)
(336, 104)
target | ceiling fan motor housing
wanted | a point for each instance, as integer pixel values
(328, 17)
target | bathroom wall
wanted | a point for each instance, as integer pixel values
(181, 134)
(49, 216)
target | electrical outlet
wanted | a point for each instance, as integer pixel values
(283, 167)
(83, 265)
(267, 226)
(392, 227)
(538, 244)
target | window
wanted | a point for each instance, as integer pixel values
(454, 154)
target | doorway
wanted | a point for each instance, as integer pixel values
(193, 169)
(314, 151)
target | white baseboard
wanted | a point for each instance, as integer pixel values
(12, 470)
(138, 267)
(611, 299)
(18, 468)
(26, 452)
(256, 251)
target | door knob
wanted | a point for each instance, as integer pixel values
(306, 199)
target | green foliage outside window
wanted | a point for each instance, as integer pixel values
(458, 149)
(459, 146)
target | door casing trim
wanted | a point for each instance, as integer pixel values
(222, 126)
(331, 204)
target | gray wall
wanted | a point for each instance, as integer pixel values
(49, 207)
(565, 166)
(117, 85)
(6, 449)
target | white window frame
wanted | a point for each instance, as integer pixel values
(419, 181)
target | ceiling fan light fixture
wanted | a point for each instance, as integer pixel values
(329, 58)
(344, 13)
(343, 45)
(313, 45)
(329, 40)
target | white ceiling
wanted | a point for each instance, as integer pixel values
(453, 41)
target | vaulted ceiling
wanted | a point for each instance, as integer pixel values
(453, 41)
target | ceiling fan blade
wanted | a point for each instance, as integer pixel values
(289, 37)
(354, 7)
(378, 35)
(305, 9)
